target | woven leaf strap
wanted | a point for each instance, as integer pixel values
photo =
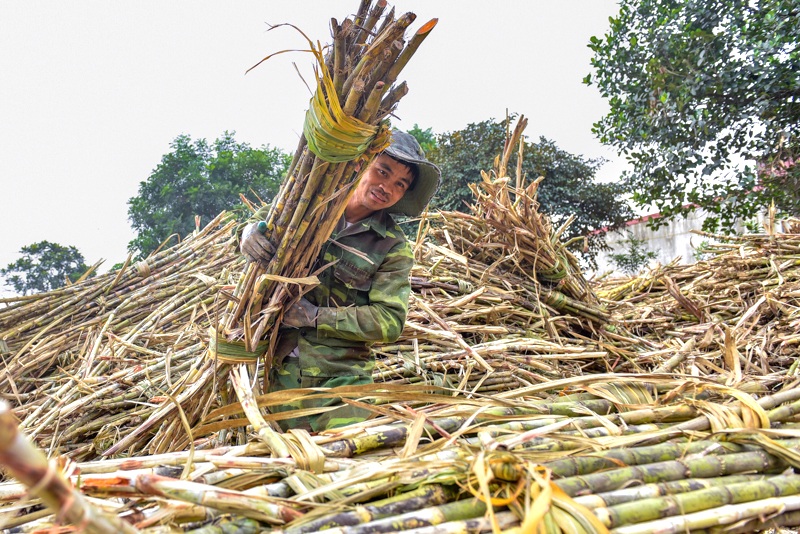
(333, 135)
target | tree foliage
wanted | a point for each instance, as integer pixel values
(44, 266)
(704, 103)
(198, 178)
(634, 255)
(426, 138)
(569, 187)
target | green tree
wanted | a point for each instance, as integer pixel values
(198, 178)
(425, 138)
(634, 257)
(704, 103)
(569, 187)
(44, 266)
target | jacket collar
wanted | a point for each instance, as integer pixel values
(380, 222)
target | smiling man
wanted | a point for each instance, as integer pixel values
(363, 294)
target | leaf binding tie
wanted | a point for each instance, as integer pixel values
(333, 135)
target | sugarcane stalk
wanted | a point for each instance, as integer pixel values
(365, 28)
(647, 491)
(724, 515)
(391, 99)
(695, 501)
(424, 496)
(28, 465)
(709, 466)
(337, 68)
(759, 524)
(434, 515)
(361, 12)
(409, 50)
(388, 20)
(228, 501)
(664, 452)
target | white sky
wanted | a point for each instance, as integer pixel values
(93, 92)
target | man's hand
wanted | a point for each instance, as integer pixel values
(255, 245)
(301, 314)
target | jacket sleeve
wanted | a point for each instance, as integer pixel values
(383, 319)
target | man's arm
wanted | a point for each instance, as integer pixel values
(383, 319)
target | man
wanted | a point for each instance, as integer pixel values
(362, 297)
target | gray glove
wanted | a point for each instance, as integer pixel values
(255, 245)
(303, 313)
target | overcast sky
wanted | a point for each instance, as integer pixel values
(93, 92)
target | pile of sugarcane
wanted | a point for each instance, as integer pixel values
(738, 309)
(623, 453)
(502, 407)
(484, 418)
(114, 365)
(110, 363)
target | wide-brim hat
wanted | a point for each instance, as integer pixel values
(405, 148)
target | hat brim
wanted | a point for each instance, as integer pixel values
(415, 200)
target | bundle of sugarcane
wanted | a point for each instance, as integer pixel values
(630, 453)
(506, 231)
(344, 129)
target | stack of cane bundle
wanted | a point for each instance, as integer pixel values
(507, 232)
(345, 128)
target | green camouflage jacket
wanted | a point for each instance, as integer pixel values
(362, 298)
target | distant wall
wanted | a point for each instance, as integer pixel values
(673, 240)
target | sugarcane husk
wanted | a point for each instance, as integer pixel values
(239, 379)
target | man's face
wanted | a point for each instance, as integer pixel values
(383, 184)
